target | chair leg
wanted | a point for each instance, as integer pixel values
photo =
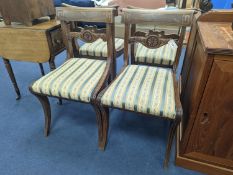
(47, 112)
(172, 132)
(99, 123)
(105, 125)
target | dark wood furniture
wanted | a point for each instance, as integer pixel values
(129, 91)
(39, 43)
(205, 142)
(83, 79)
(25, 11)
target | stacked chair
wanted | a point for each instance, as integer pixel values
(147, 83)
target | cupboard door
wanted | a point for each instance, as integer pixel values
(212, 135)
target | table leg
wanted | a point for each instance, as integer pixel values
(41, 69)
(12, 77)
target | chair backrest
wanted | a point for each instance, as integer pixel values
(71, 14)
(154, 39)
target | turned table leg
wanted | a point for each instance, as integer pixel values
(12, 77)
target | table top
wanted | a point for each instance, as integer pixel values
(217, 37)
(23, 43)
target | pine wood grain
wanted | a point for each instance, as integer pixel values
(22, 43)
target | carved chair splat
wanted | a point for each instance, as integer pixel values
(95, 45)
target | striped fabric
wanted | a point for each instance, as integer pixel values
(143, 89)
(75, 79)
(164, 55)
(99, 48)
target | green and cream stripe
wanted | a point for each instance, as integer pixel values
(143, 89)
(99, 48)
(164, 55)
(75, 79)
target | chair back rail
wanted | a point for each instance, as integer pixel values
(155, 39)
(179, 17)
(69, 15)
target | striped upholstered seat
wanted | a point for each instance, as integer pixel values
(99, 48)
(164, 55)
(75, 79)
(143, 89)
